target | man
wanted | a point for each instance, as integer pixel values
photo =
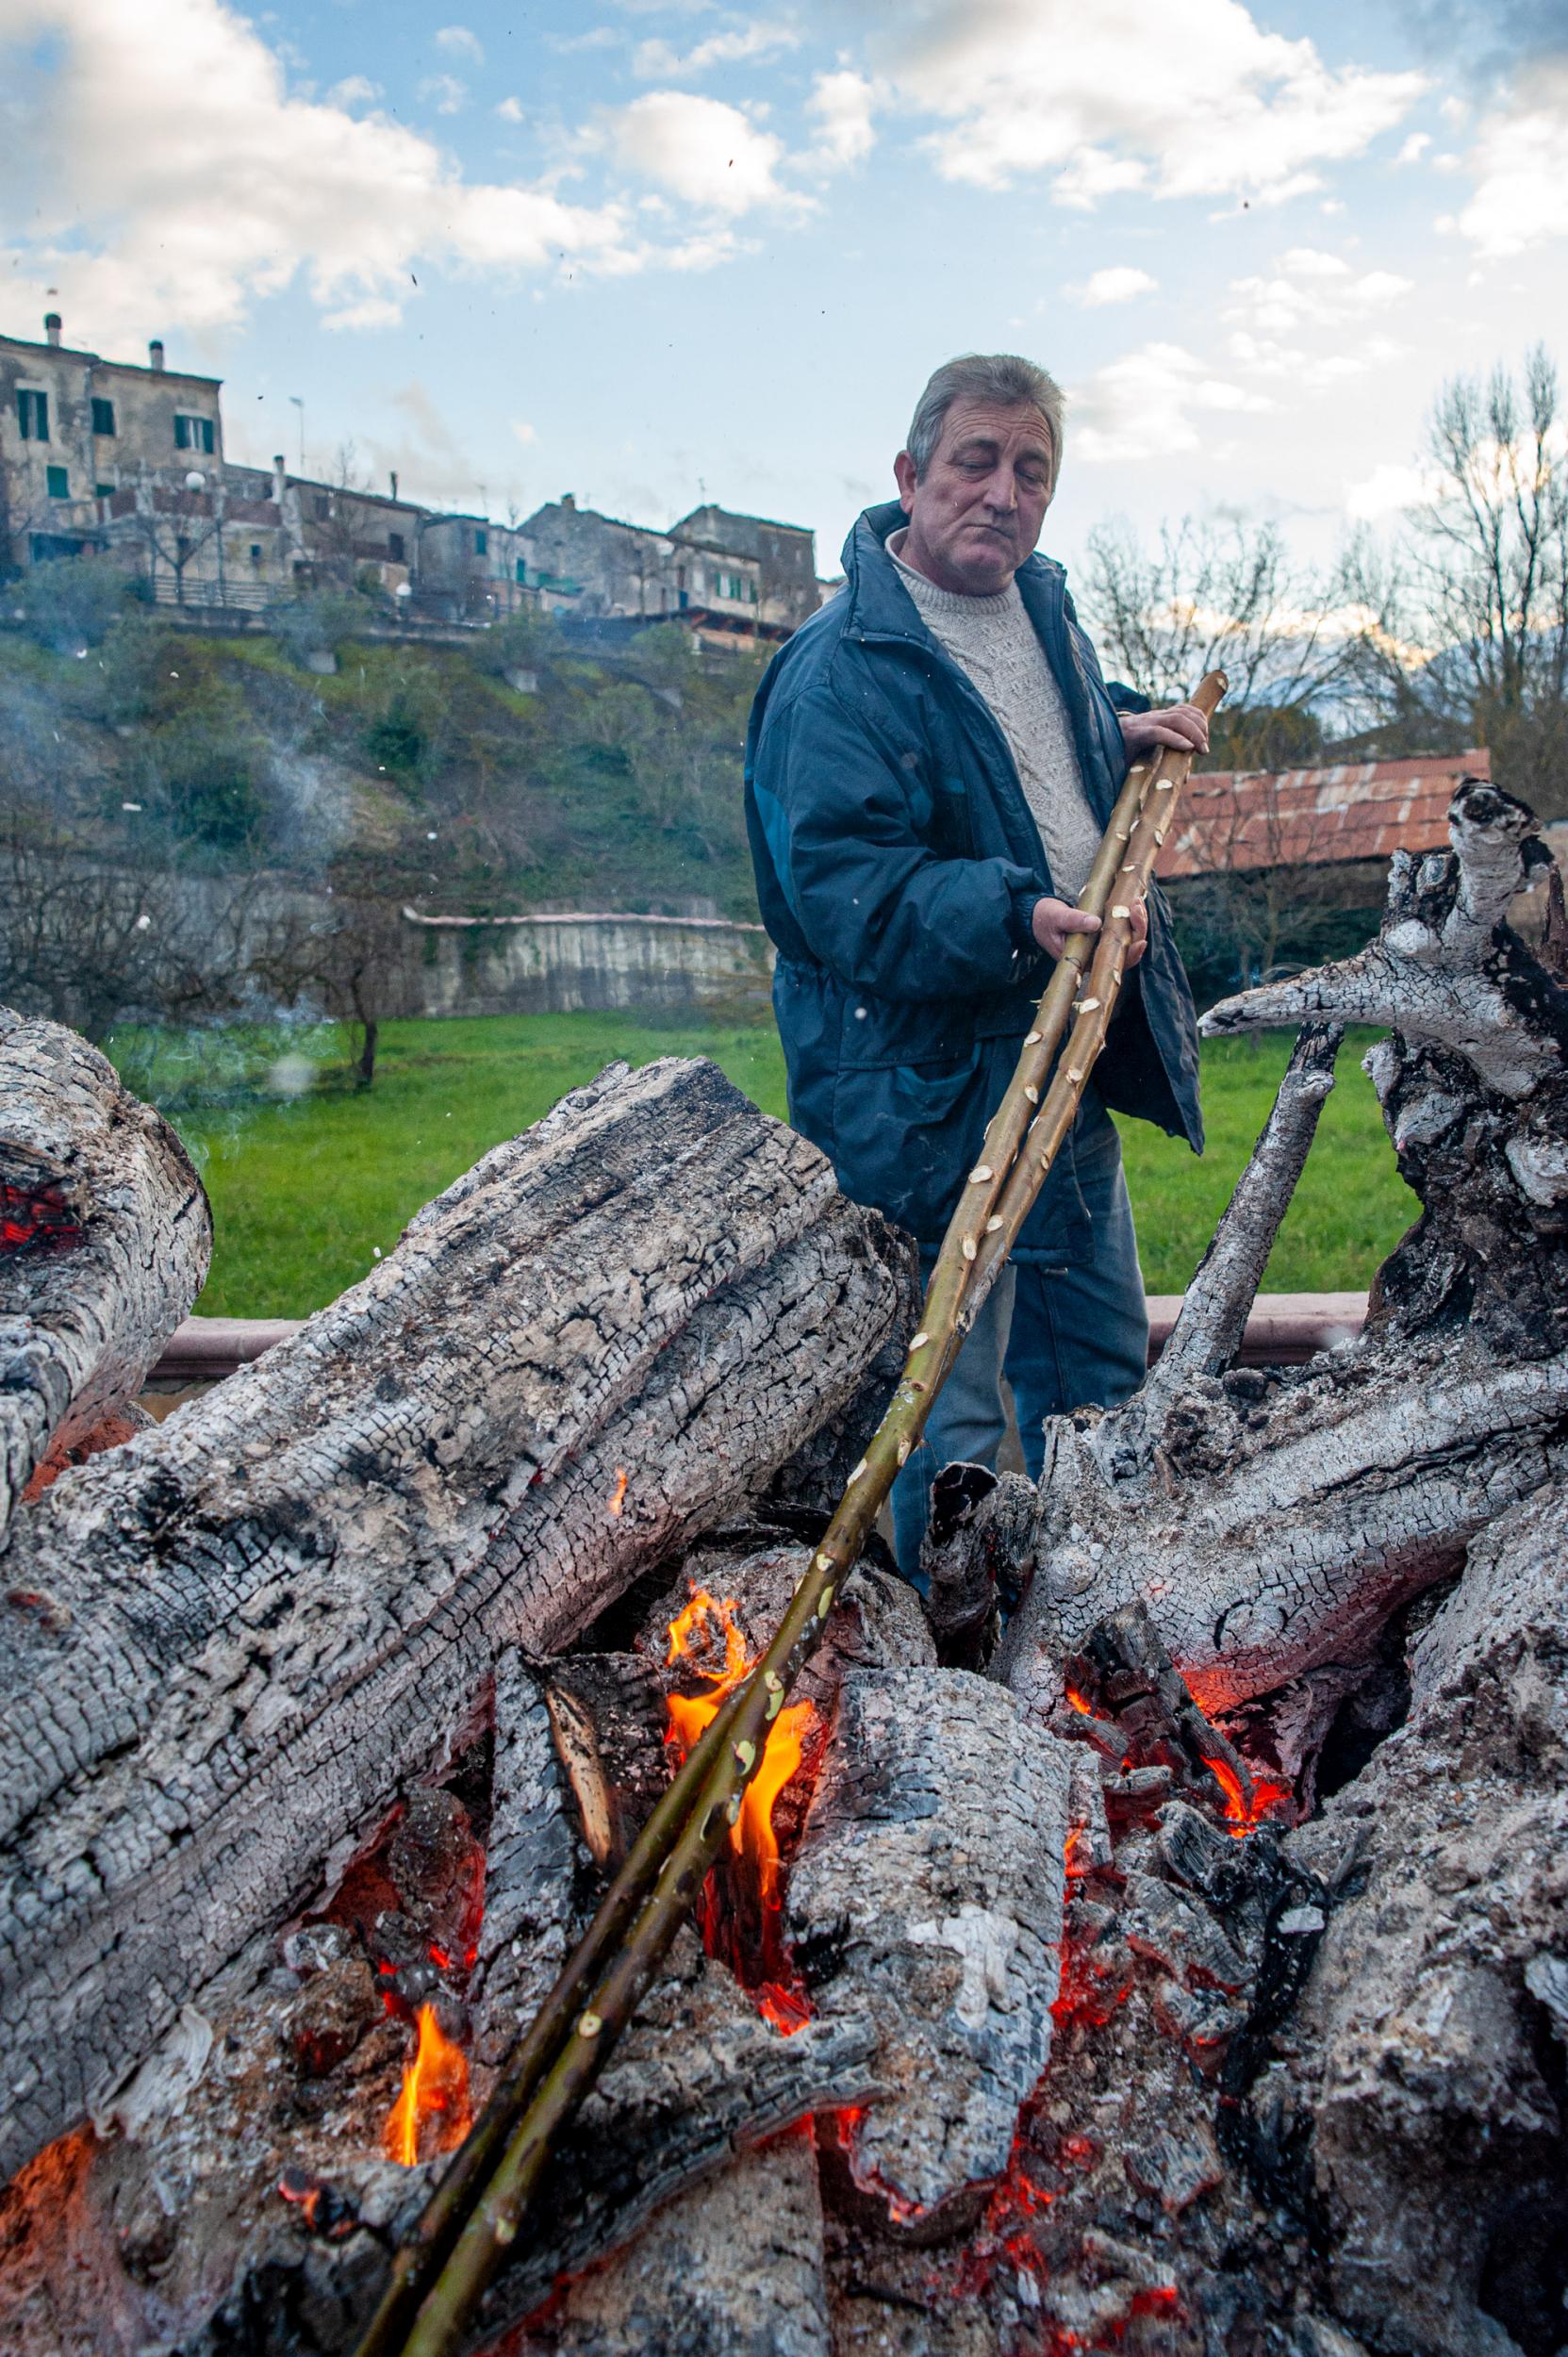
(931, 765)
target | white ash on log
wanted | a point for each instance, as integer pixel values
(260, 1621)
(731, 2267)
(1425, 2071)
(1272, 1523)
(927, 1895)
(105, 1241)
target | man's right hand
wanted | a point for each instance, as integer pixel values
(1053, 920)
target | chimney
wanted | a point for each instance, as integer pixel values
(52, 328)
(280, 478)
(569, 500)
(154, 355)
(392, 479)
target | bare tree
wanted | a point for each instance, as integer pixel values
(345, 953)
(1219, 593)
(91, 939)
(1465, 636)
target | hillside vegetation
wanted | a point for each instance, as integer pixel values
(416, 771)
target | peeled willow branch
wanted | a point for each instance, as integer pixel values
(572, 2040)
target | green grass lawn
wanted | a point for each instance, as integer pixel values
(308, 1187)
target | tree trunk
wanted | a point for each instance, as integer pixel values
(105, 1240)
(233, 1639)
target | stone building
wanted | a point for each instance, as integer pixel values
(784, 557)
(78, 432)
(605, 569)
(109, 456)
(723, 574)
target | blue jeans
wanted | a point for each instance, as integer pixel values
(1064, 1338)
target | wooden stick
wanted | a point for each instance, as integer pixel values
(582, 2037)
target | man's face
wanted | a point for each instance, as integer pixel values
(976, 512)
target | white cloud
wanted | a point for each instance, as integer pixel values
(1121, 283)
(1145, 404)
(843, 106)
(1308, 317)
(524, 432)
(698, 149)
(1415, 148)
(1520, 196)
(353, 90)
(1195, 101)
(511, 111)
(145, 208)
(1387, 489)
(445, 92)
(656, 60)
(459, 42)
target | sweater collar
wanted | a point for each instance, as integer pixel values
(880, 604)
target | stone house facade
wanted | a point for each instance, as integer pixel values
(118, 457)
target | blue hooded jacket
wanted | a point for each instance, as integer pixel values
(898, 865)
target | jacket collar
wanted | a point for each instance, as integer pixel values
(881, 606)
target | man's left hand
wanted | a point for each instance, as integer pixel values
(1183, 727)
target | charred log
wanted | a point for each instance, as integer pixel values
(1272, 1524)
(928, 1895)
(234, 1639)
(105, 1240)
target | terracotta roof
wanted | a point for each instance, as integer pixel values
(1248, 818)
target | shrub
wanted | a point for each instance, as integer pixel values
(71, 601)
(320, 621)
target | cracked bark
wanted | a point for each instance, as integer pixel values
(1273, 1521)
(230, 1642)
(105, 1240)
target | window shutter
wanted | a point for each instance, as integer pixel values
(182, 432)
(59, 482)
(103, 417)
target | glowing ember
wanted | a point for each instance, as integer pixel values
(434, 2092)
(618, 1495)
(697, 1629)
(1240, 1816)
(37, 1219)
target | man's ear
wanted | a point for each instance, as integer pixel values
(905, 477)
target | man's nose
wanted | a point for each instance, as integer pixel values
(1002, 492)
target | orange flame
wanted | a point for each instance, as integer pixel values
(694, 1630)
(434, 2087)
(1241, 1815)
(618, 1495)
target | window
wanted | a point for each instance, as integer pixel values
(256, 556)
(103, 417)
(522, 573)
(395, 547)
(102, 490)
(32, 415)
(481, 544)
(323, 508)
(192, 433)
(59, 482)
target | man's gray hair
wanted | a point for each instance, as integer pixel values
(998, 377)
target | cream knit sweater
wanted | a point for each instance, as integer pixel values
(993, 640)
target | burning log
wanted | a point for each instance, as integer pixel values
(105, 1240)
(1272, 1523)
(927, 1896)
(267, 1616)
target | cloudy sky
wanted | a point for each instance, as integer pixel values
(649, 253)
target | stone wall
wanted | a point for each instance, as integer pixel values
(557, 964)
